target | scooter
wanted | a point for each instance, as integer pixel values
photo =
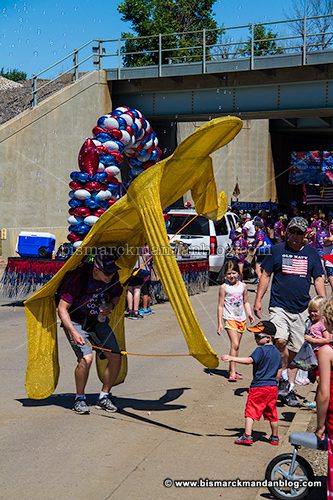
(290, 475)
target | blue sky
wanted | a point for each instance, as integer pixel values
(36, 33)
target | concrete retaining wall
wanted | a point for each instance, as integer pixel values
(39, 149)
(248, 157)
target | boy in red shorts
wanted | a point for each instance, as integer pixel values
(263, 392)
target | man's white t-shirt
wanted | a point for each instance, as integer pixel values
(249, 226)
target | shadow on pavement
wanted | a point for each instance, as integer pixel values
(215, 371)
(16, 303)
(238, 431)
(66, 401)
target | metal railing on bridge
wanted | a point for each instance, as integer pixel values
(301, 36)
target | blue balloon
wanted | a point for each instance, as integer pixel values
(73, 203)
(117, 112)
(135, 163)
(113, 188)
(80, 177)
(108, 160)
(103, 137)
(100, 177)
(154, 155)
(122, 123)
(92, 203)
(81, 228)
(101, 121)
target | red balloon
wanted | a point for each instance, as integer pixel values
(117, 156)
(73, 237)
(80, 211)
(88, 158)
(103, 150)
(147, 165)
(114, 132)
(99, 212)
(99, 130)
(93, 186)
(129, 130)
(112, 201)
(75, 185)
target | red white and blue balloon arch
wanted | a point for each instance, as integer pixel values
(95, 187)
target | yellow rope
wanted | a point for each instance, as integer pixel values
(125, 353)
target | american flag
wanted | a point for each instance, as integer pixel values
(319, 195)
(294, 265)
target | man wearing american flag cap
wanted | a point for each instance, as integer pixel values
(292, 264)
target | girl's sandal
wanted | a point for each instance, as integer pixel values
(239, 376)
(232, 378)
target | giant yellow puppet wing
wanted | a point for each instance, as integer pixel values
(137, 218)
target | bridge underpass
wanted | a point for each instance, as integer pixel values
(298, 102)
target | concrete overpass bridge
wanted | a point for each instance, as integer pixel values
(288, 78)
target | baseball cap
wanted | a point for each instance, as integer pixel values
(106, 264)
(298, 222)
(266, 327)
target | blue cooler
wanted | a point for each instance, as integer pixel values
(31, 244)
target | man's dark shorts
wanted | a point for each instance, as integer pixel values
(102, 336)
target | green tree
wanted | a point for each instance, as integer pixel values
(13, 74)
(264, 42)
(151, 17)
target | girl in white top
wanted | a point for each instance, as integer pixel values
(233, 305)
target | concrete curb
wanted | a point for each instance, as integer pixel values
(300, 423)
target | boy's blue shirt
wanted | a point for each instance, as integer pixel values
(266, 363)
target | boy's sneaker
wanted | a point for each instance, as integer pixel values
(245, 440)
(274, 440)
(145, 312)
(80, 407)
(106, 404)
(291, 399)
(283, 388)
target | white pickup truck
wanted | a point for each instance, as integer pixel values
(203, 236)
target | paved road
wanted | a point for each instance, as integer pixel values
(177, 421)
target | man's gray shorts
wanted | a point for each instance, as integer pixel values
(289, 326)
(102, 336)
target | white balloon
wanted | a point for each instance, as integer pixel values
(128, 119)
(111, 123)
(90, 220)
(77, 244)
(113, 146)
(74, 220)
(112, 170)
(148, 144)
(82, 194)
(139, 113)
(103, 195)
(144, 157)
(96, 142)
(126, 138)
(155, 141)
(101, 167)
(138, 123)
(122, 108)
